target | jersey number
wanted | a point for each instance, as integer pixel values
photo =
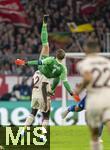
(55, 68)
(35, 81)
(99, 76)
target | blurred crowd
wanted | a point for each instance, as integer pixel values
(25, 42)
(20, 91)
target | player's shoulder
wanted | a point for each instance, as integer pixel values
(99, 60)
(63, 66)
(104, 59)
(95, 58)
(60, 63)
(52, 57)
(47, 57)
(43, 57)
(85, 63)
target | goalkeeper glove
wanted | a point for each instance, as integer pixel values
(51, 92)
(20, 62)
(75, 97)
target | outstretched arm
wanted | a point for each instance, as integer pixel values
(68, 88)
(66, 85)
(47, 60)
(34, 62)
(55, 83)
(63, 77)
(22, 62)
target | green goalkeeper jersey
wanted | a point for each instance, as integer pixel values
(52, 68)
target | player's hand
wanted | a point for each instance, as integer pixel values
(45, 18)
(50, 93)
(20, 62)
(76, 97)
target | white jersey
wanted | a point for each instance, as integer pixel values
(98, 97)
(40, 99)
(99, 88)
(38, 78)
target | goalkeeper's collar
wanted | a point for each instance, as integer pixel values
(60, 62)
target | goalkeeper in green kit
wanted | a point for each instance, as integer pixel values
(48, 68)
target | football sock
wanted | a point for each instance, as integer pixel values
(45, 123)
(100, 130)
(28, 122)
(96, 145)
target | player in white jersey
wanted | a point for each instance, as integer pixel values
(95, 71)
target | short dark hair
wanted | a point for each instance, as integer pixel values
(60, 54)
(92, 44)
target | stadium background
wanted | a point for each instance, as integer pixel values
(21, 38)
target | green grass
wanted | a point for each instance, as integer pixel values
(74, 138)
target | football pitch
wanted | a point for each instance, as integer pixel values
(74, 138)
(63, 138)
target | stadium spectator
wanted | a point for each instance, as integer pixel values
(26, 41)
(22, 91)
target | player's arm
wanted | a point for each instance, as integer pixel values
(53, 86)
(44, 38)
(22, 62)
(68, 88)
(34, 62)
(66, 84)
(63, 77)
(87, 77)
(47, 60)
(55, 83)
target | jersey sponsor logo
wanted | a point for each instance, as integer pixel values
(35, 81)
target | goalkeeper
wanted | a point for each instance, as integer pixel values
(48, 67)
